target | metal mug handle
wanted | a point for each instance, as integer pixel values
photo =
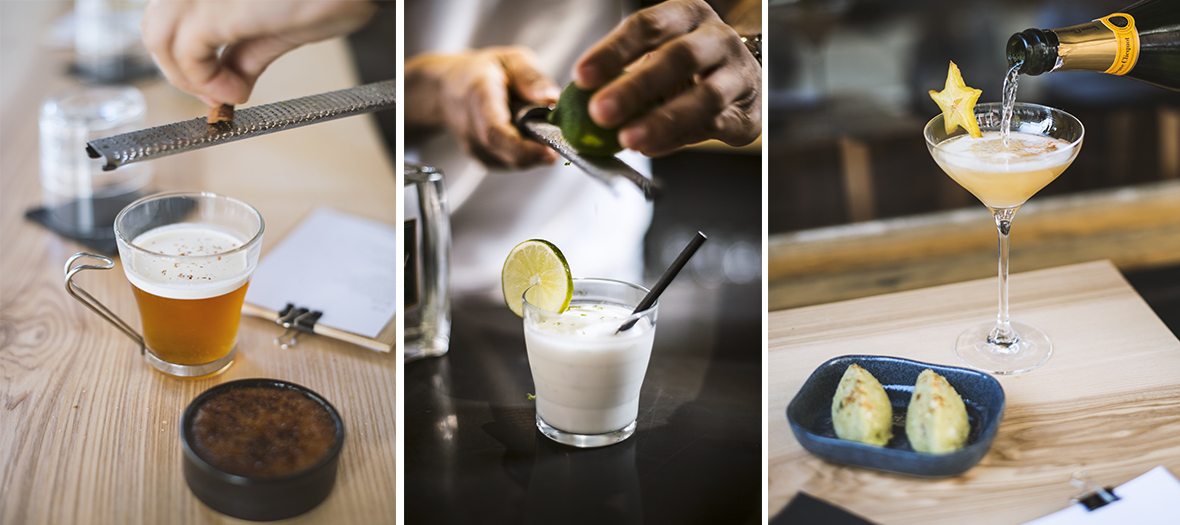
(93, 304)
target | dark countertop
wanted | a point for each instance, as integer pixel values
(473, 453)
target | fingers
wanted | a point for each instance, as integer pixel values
(519, 64)
(638, 34)
(184, 43)
(664, 72)
(510, 149)
(160, 25)
(185, 36)
(200, 70)
(492, 135)
(477, 106)
(689, 78)
(241, 65)
(724, 106)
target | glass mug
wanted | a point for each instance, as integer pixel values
(189, 258)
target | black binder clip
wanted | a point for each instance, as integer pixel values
(1092, 495)
(295, 320)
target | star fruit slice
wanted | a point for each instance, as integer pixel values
(958, 103)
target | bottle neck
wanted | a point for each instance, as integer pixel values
(1107, 45)
(1034, 51)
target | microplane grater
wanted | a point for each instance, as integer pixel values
(533, 122)
(188, 135)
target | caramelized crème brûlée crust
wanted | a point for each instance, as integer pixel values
(262, 432)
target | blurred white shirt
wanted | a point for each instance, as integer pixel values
(599, 229)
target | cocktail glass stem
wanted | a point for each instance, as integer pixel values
(1003, 336)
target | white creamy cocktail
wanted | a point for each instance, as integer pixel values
(588, 372)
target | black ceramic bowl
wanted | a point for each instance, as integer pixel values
(810, 416)
(259, 498)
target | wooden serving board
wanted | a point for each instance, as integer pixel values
(1107, 401)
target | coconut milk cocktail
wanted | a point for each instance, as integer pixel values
(588, 348)
(586, 371)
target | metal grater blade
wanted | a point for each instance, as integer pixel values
(188, 135)
(533, 123)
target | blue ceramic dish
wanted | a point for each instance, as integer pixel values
(810, 416)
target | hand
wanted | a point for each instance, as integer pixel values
(686, 65)
(468, 93)
(184, 37)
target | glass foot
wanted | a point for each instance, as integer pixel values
(585, 440)
(193, 371)
(1031, 349)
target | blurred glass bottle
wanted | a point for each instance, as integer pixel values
(1140, 42)
(427, 238)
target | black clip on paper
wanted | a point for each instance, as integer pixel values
(295, 320)
(1092, 495)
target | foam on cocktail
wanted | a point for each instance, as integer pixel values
(1004, 176)
(1024, 152)
(589, 321)
(210, 266)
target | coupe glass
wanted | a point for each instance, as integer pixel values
(1004, 347)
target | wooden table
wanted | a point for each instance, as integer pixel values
(88, 430)
(1107, 401)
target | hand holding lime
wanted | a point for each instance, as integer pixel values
(572, 115)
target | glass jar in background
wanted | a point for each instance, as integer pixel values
(80, 198)
(108, 42)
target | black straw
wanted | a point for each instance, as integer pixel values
(666, 279)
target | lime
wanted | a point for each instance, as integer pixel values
(572, 116)
(540, 265)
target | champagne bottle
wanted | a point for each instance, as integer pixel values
(1140, 42)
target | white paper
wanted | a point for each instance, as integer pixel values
(339, 264)
(1150, 499)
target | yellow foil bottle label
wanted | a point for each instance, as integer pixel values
(1127, 38)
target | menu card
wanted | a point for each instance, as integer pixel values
(1153, 498)
(336, 263)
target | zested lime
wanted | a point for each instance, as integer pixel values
(572, 115)
(538, 264)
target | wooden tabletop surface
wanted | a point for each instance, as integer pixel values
(1107, 401)
(88, 430)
